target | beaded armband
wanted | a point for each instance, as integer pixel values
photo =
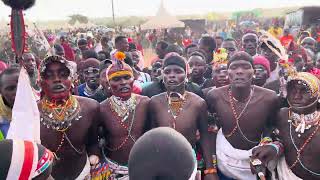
(214, 161)
(210, 171)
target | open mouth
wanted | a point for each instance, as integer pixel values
(58, 88)
(92, 81)
(172, 82)
(125, 90)
(239, 80)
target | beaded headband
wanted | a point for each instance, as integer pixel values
(307, 79)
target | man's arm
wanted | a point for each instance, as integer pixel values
(206, 141)
(93, 144)
(148, 123)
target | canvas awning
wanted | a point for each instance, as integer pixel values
(162, 20)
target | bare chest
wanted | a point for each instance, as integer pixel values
(116, 125)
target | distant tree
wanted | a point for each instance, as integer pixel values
(78, 17)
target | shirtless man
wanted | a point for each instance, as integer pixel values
(123, 116)
(244, 112)
(68, 123)
(301, 142)
(182, 110)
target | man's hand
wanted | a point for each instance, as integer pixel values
(264, 153)
(94, 160)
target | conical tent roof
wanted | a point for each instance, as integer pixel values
(162, 20)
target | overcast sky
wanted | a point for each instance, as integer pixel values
(61, 9)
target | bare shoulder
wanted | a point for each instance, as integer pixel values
(143, 99)
(89, 104)
(195, 99)
(104, 104)
(214, 93)
(266, 93)
(157, 98)
(282, 117)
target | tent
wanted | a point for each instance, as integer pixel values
(162, 20)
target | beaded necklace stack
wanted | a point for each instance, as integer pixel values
(122, 110)
(59, 117)
(175, 107)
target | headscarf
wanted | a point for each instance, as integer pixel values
(23, 159)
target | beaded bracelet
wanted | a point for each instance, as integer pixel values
(265, 141)
(214, 161)
(210, 171)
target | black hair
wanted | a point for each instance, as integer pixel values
(188, 47)
(241, 55)
(132, 47)
(209, 41)
(198, 53)
(82, 41)
(58, 48)
(89, 54)
(128, 60)
(9, 71)
(230, 39)
(175, 60)
(174, 48)
(119, 38)
(164, 44)
(105, 53)
(104, 38)
(105, 64)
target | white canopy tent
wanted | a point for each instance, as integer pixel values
(162, 20)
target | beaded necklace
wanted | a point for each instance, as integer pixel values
(122, 118)
(123, 108)
(300, 150)
(59, 117)
(303, 122)
(175, 107)
(237, 117)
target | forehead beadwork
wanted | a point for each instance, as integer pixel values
(308, 80)
(51, 59)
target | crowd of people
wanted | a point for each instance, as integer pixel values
(228, 108)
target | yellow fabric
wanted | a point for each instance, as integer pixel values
(5, 111)
(120, 73)
(276, 32)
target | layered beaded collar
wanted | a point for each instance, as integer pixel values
(59, 117)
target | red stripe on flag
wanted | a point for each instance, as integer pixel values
(28, 161)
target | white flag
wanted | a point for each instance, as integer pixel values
(25, 124)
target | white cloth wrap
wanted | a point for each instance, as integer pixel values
(233, 163)
(284, 172)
